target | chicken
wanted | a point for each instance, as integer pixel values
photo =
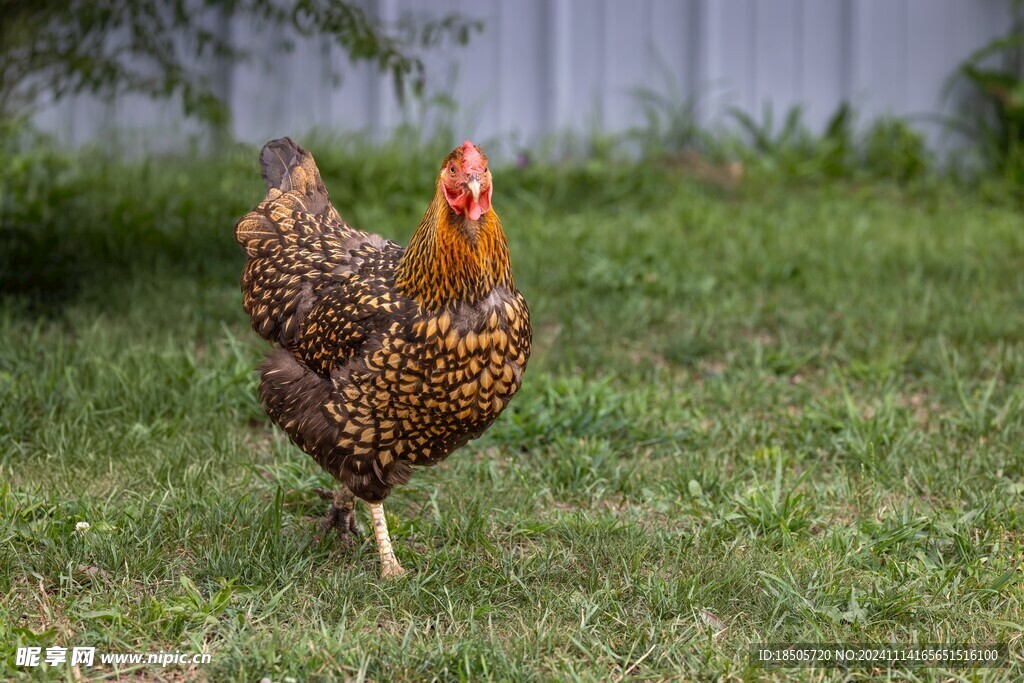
(388, 357)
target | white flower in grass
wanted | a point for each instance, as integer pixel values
(82, 527)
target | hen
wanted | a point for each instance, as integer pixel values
(389, 357)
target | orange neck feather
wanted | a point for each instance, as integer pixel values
(452, 259)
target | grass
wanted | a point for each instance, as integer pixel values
(781, 412)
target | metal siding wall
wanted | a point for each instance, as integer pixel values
(823, 58)
(522, 65)
(586, 65)
(880, 48)
(668, 41)
(776, 55)
(542, 67)
(628, 60)
(560, 76)
(737, 49)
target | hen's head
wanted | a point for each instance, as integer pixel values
(466, 181)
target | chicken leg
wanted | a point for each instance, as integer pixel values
(389, 567)
(341, 516)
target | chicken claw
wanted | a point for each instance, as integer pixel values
(341, 516)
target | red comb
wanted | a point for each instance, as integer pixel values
(472, 160)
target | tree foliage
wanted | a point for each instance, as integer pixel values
(50, 49)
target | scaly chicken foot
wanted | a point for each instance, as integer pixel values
(389, 567)
(341, 516)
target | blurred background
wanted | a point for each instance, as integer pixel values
(513, 74)
(774, 258)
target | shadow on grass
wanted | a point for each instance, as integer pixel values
(45, 267)
(37, 269)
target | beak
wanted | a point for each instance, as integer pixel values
(474, 187)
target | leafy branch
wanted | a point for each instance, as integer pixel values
(159, 48)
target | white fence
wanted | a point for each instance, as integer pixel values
(543, 67)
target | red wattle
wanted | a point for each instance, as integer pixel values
(462, 203)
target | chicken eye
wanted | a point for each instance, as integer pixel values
(451, 169)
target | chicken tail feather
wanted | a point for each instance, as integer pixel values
(286, 167)
(292, 238)
(290, 169)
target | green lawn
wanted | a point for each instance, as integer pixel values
(777, 413)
